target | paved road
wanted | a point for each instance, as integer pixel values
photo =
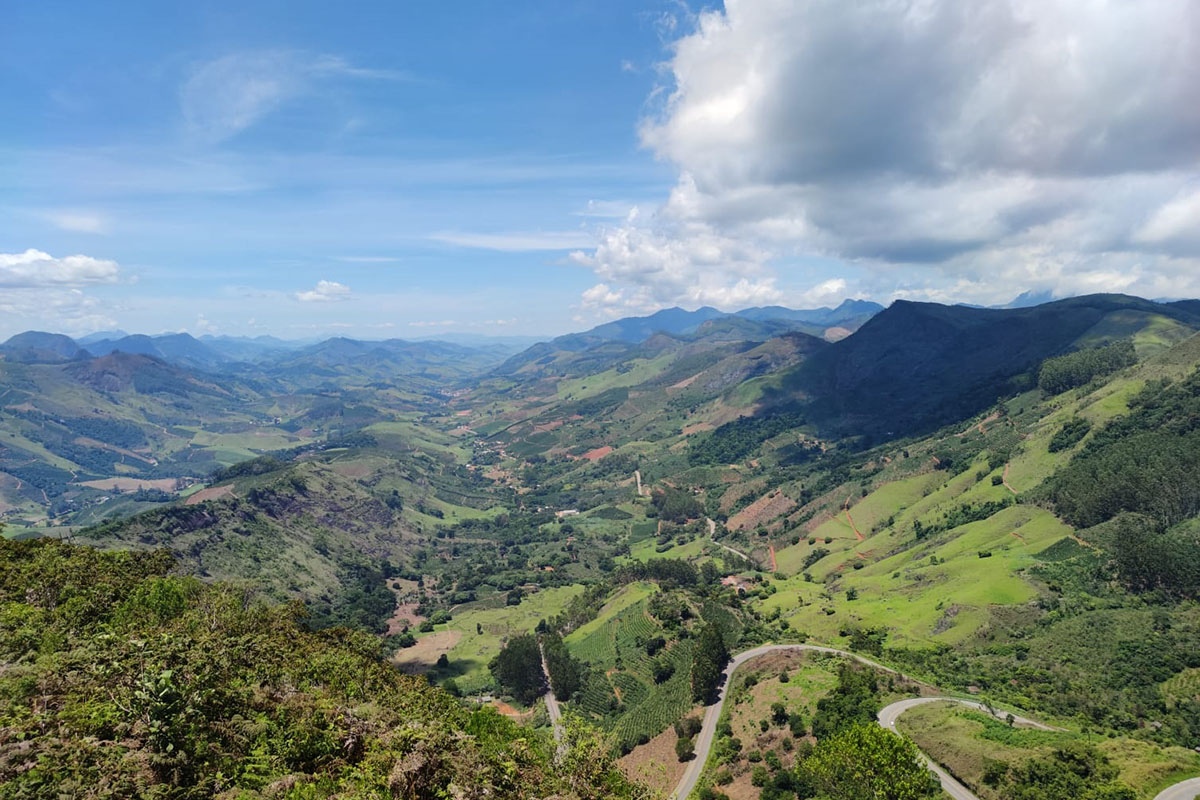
(712, 534)
(1186, 790)
(889, 715)
(552, 708)
(712, 713)
(887, 718)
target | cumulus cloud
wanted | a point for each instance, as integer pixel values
(324, 292)
(36, 269)
(933, 148)
(225, 96)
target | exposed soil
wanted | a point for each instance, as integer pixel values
(424, 654)
(686, 382)
(857, 534)
(1004, 480)
(655, 763)
(131, 484)
(212, 493)
(766, 508)
(598, 453)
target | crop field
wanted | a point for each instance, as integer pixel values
(648, 549)
(484, 631)
(1184, 686)
(595, 641)
(621, 694)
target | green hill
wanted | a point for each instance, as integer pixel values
(122, 679)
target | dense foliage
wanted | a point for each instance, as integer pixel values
(518, 668)
(566, 672)
(735, 440)
(124, 681)
(1075, 770)
(676, 505)
(1078, 368)
(854, 700)
(708, 663)
(865, 762)
(1147, 462)
(1070, 434)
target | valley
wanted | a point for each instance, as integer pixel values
(1002, 504)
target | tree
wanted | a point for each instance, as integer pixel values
(855, 699)
(566, 672)
(708, 663)
(1074, 770)
(518, 668)
(684, 750)
(866, 762)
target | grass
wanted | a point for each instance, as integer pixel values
(647, 549)
(917, 601)
(625, 597)
(641, 371)
(963, 740)
(484, 631)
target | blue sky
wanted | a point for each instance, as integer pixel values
(407, 169)
(438, 160)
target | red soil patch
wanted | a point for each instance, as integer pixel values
(696, 427)
(508, 711)
(546, 427)
(857, 534)
(774, 563)
(1004, 480)
(212, 493)
(406, 617)
(686, 382)
(654, 763)
(764, 509)
(598, 453)
(463, 413)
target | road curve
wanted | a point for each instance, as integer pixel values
(712, 534)
(1184, 790)
(712, 713)
(887, 718)
(889, 714)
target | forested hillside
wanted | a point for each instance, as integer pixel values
(123, 679)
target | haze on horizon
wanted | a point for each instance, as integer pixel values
(271, 168)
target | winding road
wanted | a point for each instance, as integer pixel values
(1185, 790)
(889, 714)
(712, 534)
(712, 713)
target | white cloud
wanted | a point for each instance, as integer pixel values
(78, 221)
(225, 96)
(964, 151)
(324, 292)
(34, 268)
(517, 242)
